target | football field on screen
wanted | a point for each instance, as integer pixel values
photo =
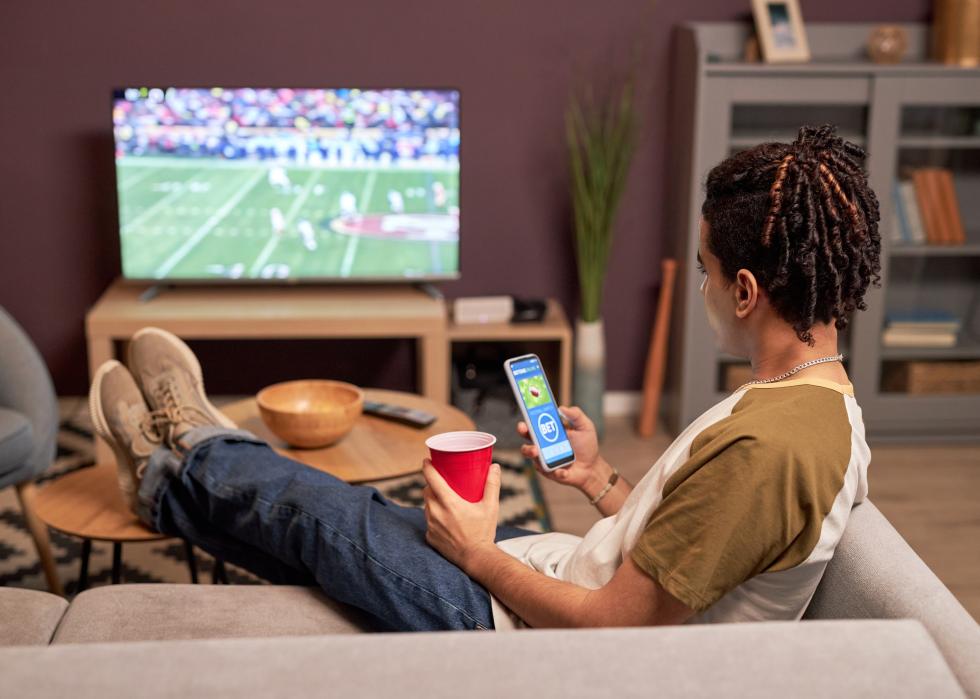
(205, 219)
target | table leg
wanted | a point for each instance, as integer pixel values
(191, 560)
(83, 572)
(219, 574)
(433, 366)
(116, 562)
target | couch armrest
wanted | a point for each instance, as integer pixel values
(816, 659)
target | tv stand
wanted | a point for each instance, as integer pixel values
(282, 312)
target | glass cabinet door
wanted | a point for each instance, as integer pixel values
(930, 331)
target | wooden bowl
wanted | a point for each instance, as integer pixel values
(311, 413)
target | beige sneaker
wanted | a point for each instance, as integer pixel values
(122, 418)
(169, 376)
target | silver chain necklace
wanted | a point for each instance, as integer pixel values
(801, 367)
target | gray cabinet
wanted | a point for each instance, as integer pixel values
(910, 115)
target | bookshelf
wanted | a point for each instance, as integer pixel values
(910, 116)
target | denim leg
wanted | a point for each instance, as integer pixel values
(235, 497)
(183, 518)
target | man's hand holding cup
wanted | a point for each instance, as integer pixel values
(462, 494)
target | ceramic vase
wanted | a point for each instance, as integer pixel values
(590, 370)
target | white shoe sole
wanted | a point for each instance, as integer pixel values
(191, 360)
(95, 402)
(99, 421)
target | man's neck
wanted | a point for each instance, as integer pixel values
(779, 351)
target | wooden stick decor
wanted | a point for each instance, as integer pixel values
(653, 378)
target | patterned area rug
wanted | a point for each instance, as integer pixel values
(521, 505)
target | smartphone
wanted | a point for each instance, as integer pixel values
(540, 411)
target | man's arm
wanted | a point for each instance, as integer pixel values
(463, 532)
(630, 598)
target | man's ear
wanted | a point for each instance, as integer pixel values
(746, 291)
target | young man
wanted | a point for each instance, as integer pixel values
(735, 521)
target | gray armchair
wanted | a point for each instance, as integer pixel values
(28, 429)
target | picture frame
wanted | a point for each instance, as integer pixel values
(779, 26)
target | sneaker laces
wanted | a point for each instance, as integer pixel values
(158, 427)
(173, 413)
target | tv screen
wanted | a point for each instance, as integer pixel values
(287, 184)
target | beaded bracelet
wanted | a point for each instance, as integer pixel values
(609, 486)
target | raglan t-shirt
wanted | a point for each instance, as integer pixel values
(739, 517)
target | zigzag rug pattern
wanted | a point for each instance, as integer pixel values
(521, 505)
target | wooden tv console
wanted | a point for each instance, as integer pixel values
(308, 312)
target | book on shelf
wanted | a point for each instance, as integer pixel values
(896, 337)
(925, 199)
(926, 328)
(907, 213)
(954, 231)
(900, 225)
(935, 196)
(924, 320)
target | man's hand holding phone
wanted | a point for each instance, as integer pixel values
(589, 469)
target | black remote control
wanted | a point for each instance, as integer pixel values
(399, 413)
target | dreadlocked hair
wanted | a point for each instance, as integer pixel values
(802, 218)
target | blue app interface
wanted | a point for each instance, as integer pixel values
(542, 412)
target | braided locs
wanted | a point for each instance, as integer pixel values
(802, 218)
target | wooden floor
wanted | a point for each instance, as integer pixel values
(930, 493)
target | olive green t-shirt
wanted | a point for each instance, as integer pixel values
(753, 495)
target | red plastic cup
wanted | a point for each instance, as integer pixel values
(463, 458)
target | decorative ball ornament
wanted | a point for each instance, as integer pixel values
(887, 44)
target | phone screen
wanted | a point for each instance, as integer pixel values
(541, 411)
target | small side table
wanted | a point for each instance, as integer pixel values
(87, 504)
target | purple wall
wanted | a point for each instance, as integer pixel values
(514, 61)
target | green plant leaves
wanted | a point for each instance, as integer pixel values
(600, 140)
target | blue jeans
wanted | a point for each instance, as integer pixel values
(230, 494)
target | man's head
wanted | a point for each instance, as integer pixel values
(792, 229)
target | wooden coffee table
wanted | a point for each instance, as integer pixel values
(88, 504)
(374, 449)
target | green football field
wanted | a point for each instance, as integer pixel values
(211, 219)
(531, 386)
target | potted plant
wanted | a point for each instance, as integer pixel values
(601, 137)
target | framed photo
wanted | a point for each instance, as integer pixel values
(779, 26)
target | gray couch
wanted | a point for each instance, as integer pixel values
(898, 632)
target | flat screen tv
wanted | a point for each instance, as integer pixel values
(287, 184)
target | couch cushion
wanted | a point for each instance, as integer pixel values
(875, 574)
(161, 612)
(16, 444)
(819, 659)
(28, 617)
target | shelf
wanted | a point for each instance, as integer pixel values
(900, 250)
(842, 68)
(961, 351)
(554, 326)
(940, 142)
